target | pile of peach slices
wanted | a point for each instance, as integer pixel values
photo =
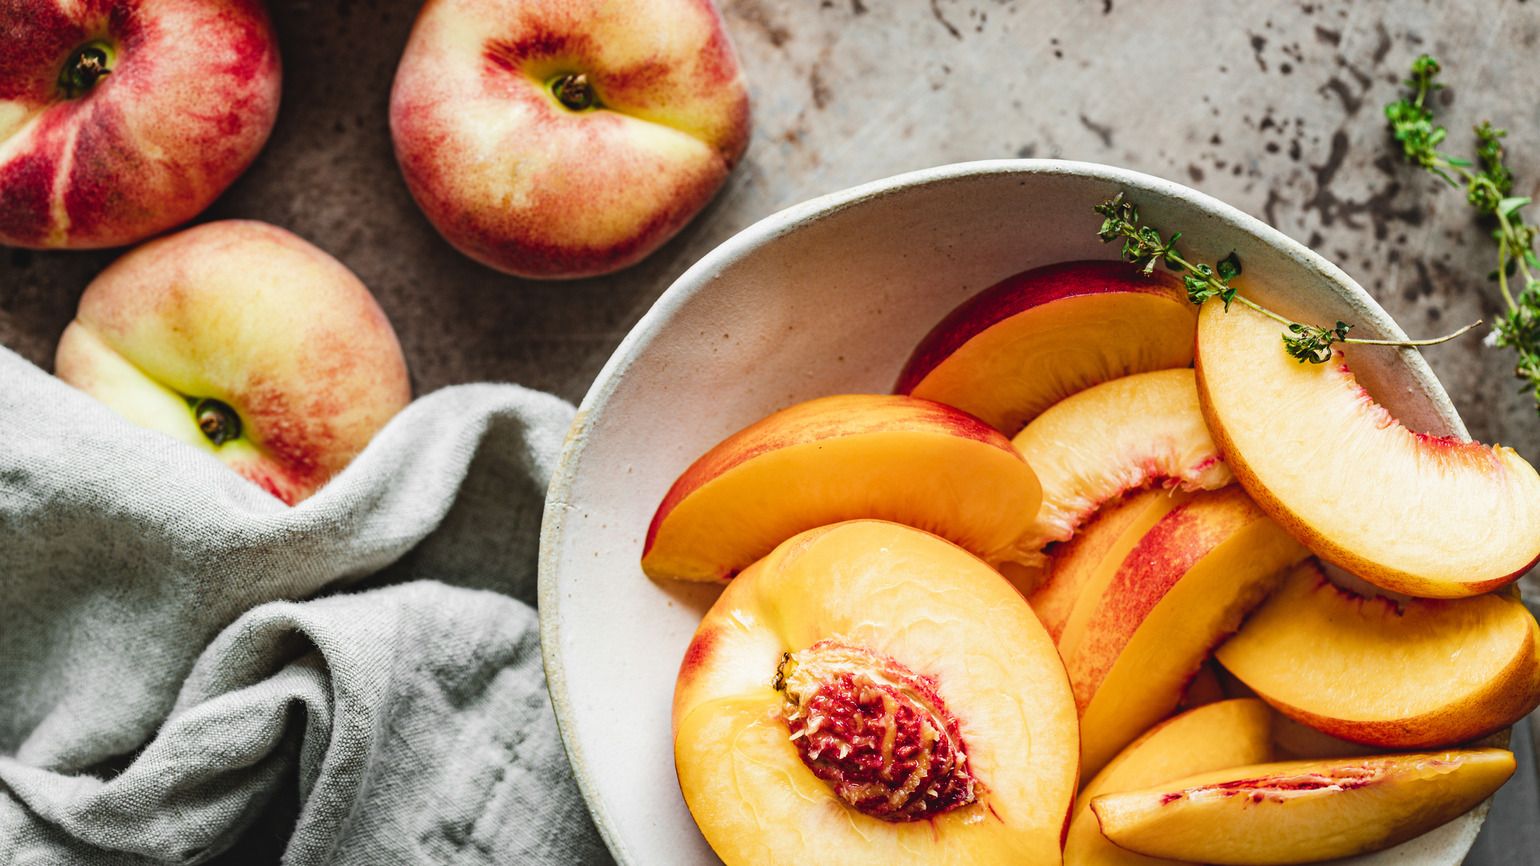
(932, 632)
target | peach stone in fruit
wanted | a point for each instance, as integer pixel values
(1121, 435)
(1301, 811)
(1415, 674)
(871, 694)
(839, 458)
(244, 341)
(122, 118)
(1422, 515)
(1031, 340)
(566, 138)
(1216, 736)
(1176, 595)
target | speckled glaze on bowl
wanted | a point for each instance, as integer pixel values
(829, 297)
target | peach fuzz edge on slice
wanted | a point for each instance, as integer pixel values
(1123, 435)
(1217, 736)
(839, 458)
(1419, 674)
(1422, 515)
(872, 606)
(1033, 339)
(1082, 566)
(1302, 811)
(1184, 587)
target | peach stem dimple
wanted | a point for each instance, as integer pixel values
(575, 92)
(86, 65)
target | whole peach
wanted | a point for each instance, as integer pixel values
(566, 138)
(243, 340)
(122, 118)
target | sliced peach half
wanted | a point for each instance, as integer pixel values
(839, 458)
(1178, 593)
(1410, 675)
(1084, 564)
(871, 694)
(1422, 515)
(1217, 736)
(1302, 811)
(1031, 340)
(1118, 436)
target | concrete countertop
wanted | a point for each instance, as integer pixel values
(1274, 107)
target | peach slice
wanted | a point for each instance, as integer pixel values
(839, 458)
(871, 694)
(1084, 564)
(1414, 675)
(1031, 340)
(1184, 587)
(1423, 515)
(1121, 435)
(1217, 736)
(1302, 811)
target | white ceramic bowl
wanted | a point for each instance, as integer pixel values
(829, 297)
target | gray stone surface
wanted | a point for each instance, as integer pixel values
(1271, 106)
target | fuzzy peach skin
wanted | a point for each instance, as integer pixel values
(1031, 340)
(1216, 736)
(1083, 565)
(1301, 811)
(840, 458)
(1132, 432)
(514, 178)
(918, 631)
(249, 315)
(1422, 515)
(1131, 650)
(1414, 674)
(189, 95)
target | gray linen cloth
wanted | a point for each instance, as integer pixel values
(169, 695)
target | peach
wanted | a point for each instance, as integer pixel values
(1422, 515)
(1415, 674)
(1217, 736)
(1118, 436)
(566, 138)
(871, 694)
(1084, 565)
(122, 118)
(837, 458)
(1301, 811)
(246, 342)
(1184, 587)
(1031, 340)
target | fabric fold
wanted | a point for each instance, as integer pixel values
(165, 682)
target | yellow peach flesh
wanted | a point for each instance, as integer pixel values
(1030, 341)
(1177, 594)
(1083, 565)
(1121, 435)
(1417, 674)
(1302, 811)
(839, 458)
(1216, 736)
(901, 594)
(1420, 515)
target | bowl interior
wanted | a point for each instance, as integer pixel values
(829, 297)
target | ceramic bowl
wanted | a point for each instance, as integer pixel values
(829, 297)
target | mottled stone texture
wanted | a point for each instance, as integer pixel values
(1271, 106)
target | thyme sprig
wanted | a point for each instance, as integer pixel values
(1488, 185)
(1143, 245)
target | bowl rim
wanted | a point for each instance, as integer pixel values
(769, 228)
